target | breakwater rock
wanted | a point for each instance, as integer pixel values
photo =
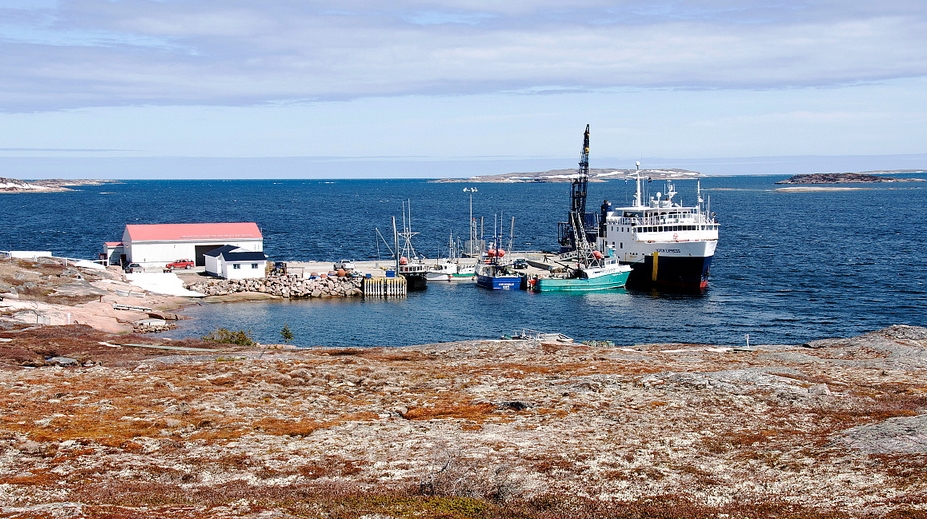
(283, 286)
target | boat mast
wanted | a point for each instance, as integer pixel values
(638, 202)
(396, 243)
(511, 234)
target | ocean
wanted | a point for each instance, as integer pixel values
(790, 266)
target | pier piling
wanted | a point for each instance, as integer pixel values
(385, 287)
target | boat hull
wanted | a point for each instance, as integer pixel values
(683, 274)
(606, 282)
(441, 276)
(500, 282)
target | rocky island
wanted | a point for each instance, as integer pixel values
(100, 423)
(843, 178)
(12, 185)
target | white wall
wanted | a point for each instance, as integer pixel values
(246, 271)
(161, 253)
(212, 265)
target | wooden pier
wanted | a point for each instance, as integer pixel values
(384, 287)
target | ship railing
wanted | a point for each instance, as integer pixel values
(671, 219)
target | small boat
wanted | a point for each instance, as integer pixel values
(493, 273)
(451, 269)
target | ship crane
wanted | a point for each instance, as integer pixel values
(573, 236)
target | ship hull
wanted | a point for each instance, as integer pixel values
(684, 274)
(415, 282)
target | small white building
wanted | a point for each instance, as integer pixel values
(231, 262)
(155, 245)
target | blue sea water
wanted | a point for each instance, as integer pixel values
(790, 266)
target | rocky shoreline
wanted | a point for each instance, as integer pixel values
(98, 422)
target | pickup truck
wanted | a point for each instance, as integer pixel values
(180, 264)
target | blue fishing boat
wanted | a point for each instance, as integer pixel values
(494, 273)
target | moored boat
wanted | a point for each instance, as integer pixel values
(495, 274)
(668, 245)
(451, 271)
(408, 263)
(584, 278)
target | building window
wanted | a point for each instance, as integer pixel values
(254, 265)
(236, 266)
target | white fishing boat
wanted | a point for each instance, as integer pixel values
(451, 268)
(451, 271)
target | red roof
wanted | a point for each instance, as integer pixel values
(194, 232)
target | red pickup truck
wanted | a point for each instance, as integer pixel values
(181, 264)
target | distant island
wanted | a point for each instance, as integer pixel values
(595, 175)
(12, 185)
(846, 178)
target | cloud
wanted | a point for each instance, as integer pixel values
(238, 53)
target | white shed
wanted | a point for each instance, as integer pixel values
(231, 262)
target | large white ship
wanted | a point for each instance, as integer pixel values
(667, 245)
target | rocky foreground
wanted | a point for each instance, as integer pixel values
(835, 428)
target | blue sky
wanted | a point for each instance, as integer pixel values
(176, 88)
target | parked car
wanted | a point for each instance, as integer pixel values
(520, 263)
(347, 265)
(181, 264)
(132, 268)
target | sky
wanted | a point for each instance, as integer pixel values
(415, 88)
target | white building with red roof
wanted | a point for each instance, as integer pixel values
(156, 245)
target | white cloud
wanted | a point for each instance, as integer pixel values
(117, 53)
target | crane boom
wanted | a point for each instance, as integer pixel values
(580, 183)
(573, 232)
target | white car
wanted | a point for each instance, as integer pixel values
(346, 265)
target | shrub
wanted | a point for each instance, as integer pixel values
(226, 336)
